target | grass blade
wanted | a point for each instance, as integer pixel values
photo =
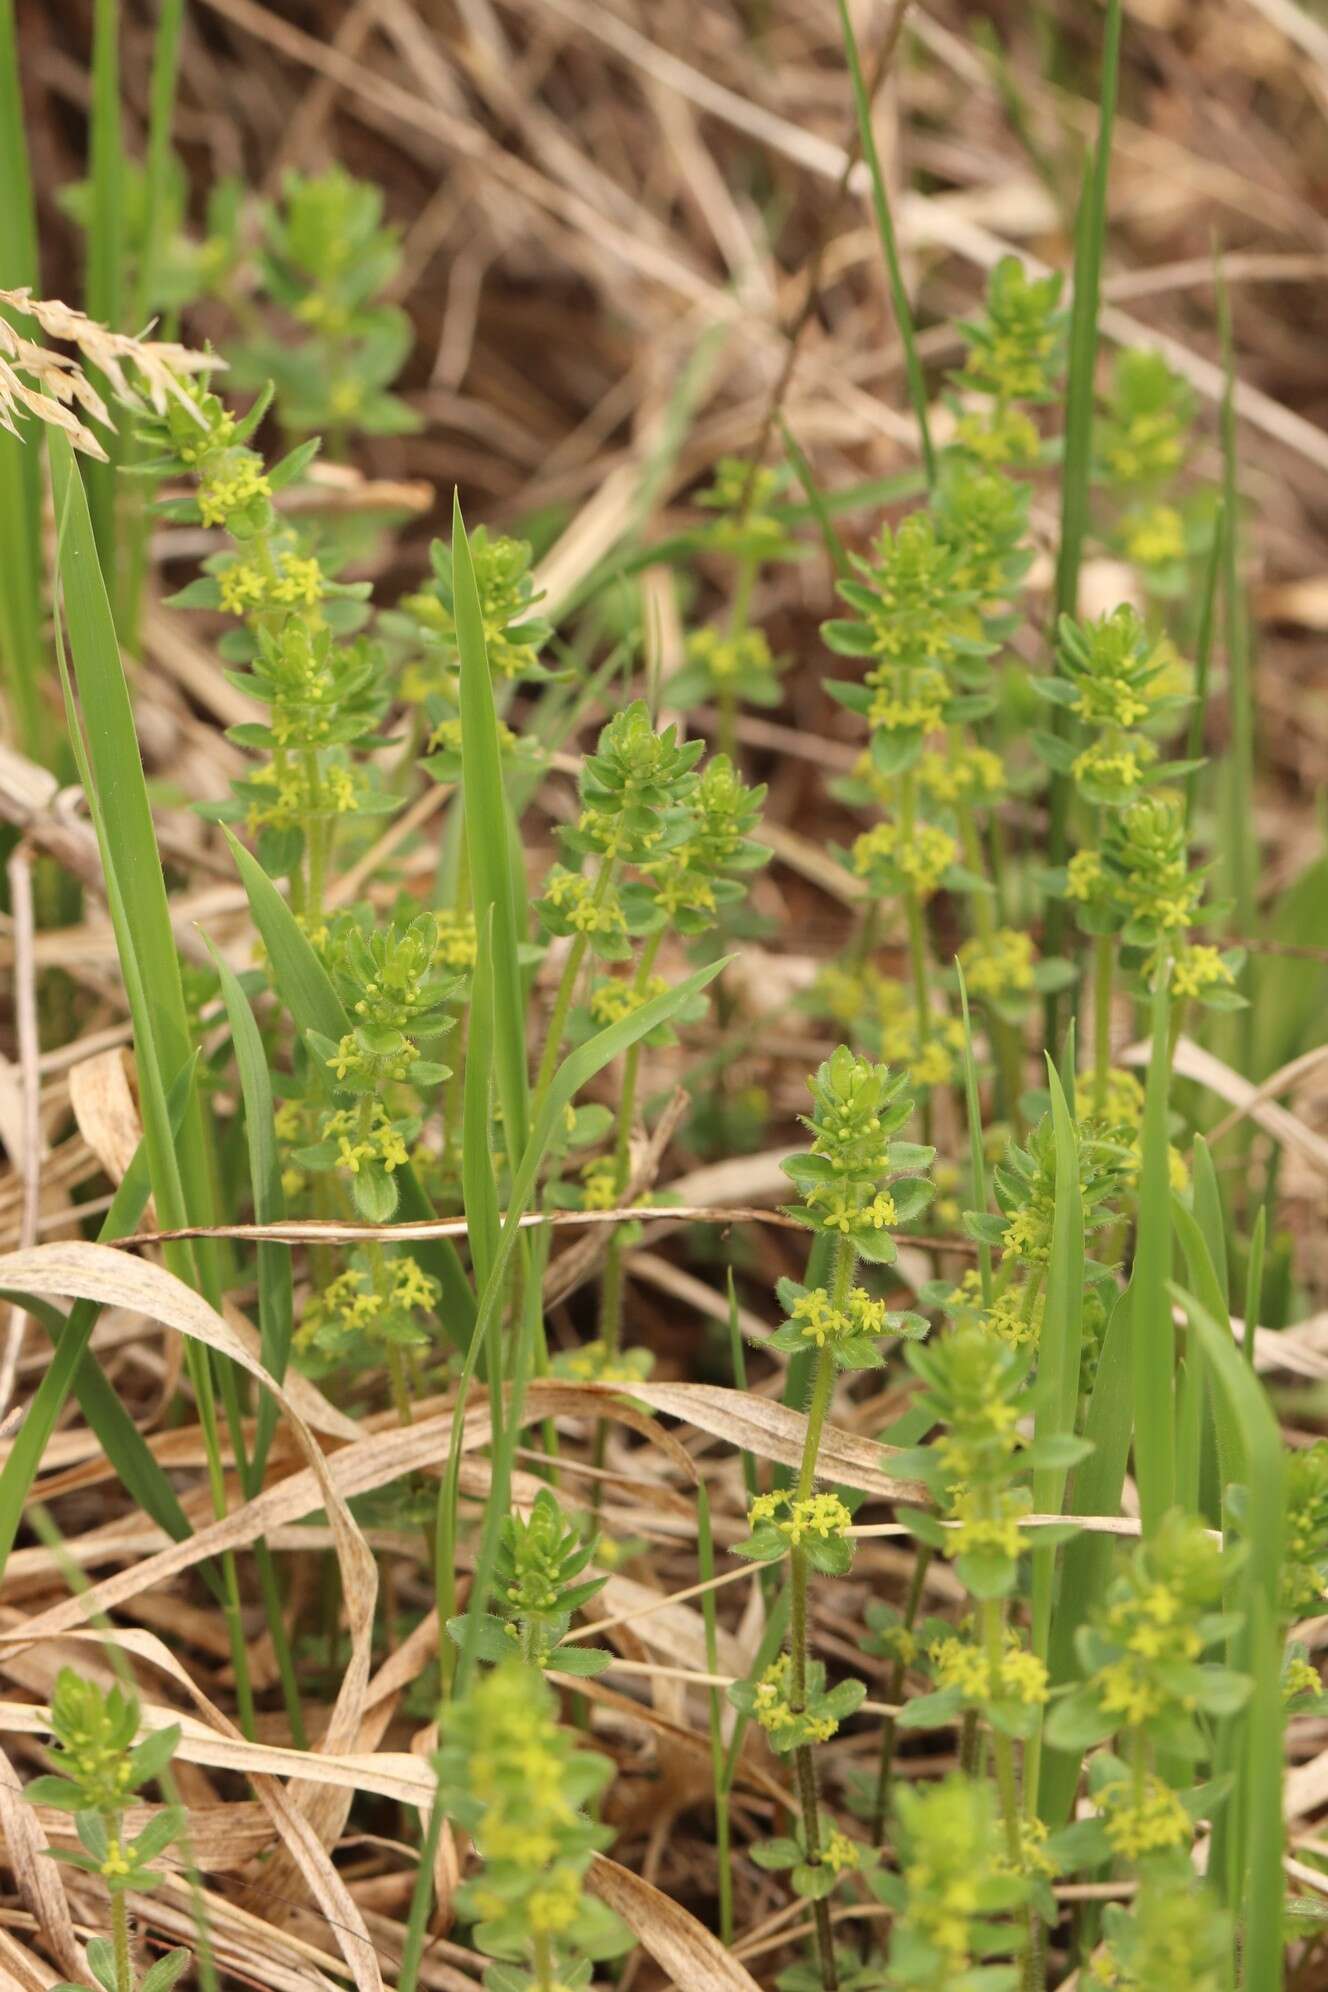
(488, 844)
(106, 245)
(21, 641)
(1077, 464)
(1154, 1359)
(1247, 1841)
(885, 229)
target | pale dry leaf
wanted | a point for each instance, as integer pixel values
(695, 1960)
(106, 1110)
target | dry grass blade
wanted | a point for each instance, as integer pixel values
(695, 1960)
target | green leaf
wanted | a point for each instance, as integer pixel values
(488, 844)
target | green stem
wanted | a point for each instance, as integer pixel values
(611, 1291)
(124, 1964)
(1007, 1783)
(1104, 957)
(542, 1950)
(822, 1389)
(562, 1004)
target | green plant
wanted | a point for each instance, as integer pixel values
(519, 1785)
(98, 1768)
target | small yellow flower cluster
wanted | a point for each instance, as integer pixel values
(838, 1211)
(556, 1903)
(921, 707)
(360, 1300)
(929, 1047)
(1143, 1820)
(458, 943)
(1033, 1856)
(1155, 536)
(599, 1184)
(595, 1362)
(1300, 1678)
(618, 997)
(229, 487)
(1085, 876)
(1000, 966)
(916, 860)
(974, 1533)
(1120, 769)
(776, 1714)
(729, 655)
(1006, 437)
(840, 1854)
(297, 797)
(1107, 701)
(962, 774)
(574, 896)
(1028, 1235)
(1196, 968)
(1015, 1316)
(446, 737)
(375, 1142)
(680, 888)
(821, 1515)
(821, 1322)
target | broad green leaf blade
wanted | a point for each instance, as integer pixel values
(488, 844)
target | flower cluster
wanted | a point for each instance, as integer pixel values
(1114, 676)
(373, 1305)
(98, 1769)
(539, 1582)
(852, 1331)
(814, 1877)
(1305, 1554)
(1142, 1656)
(817, 1524)
(518, 1784)
(951, 1891)
(325, 695)
(1025, 1185)
(815, 1720)
(396, 1000)
(325, 261)
(1142, 443)
(856, 1106)
(733, 664)
(973, 1386)
(1175, 1933)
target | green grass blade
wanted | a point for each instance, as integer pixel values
(105, 298)
(1251, 1826)
(157, 160)
(488, 844)
(885, 229)
(1254, 1280)
(1077, 462)
(478, 1189)
(1154, 1358)
(275, 1303)
(1059, 1357)
(1238, 845)
(816, 500)
(1203, 660)
(1080, 387)
(21, 645)
(306, 989)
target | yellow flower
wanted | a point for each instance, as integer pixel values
(1143, 1821)
(999, 966)
(1197, 968)
(1155, 537)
